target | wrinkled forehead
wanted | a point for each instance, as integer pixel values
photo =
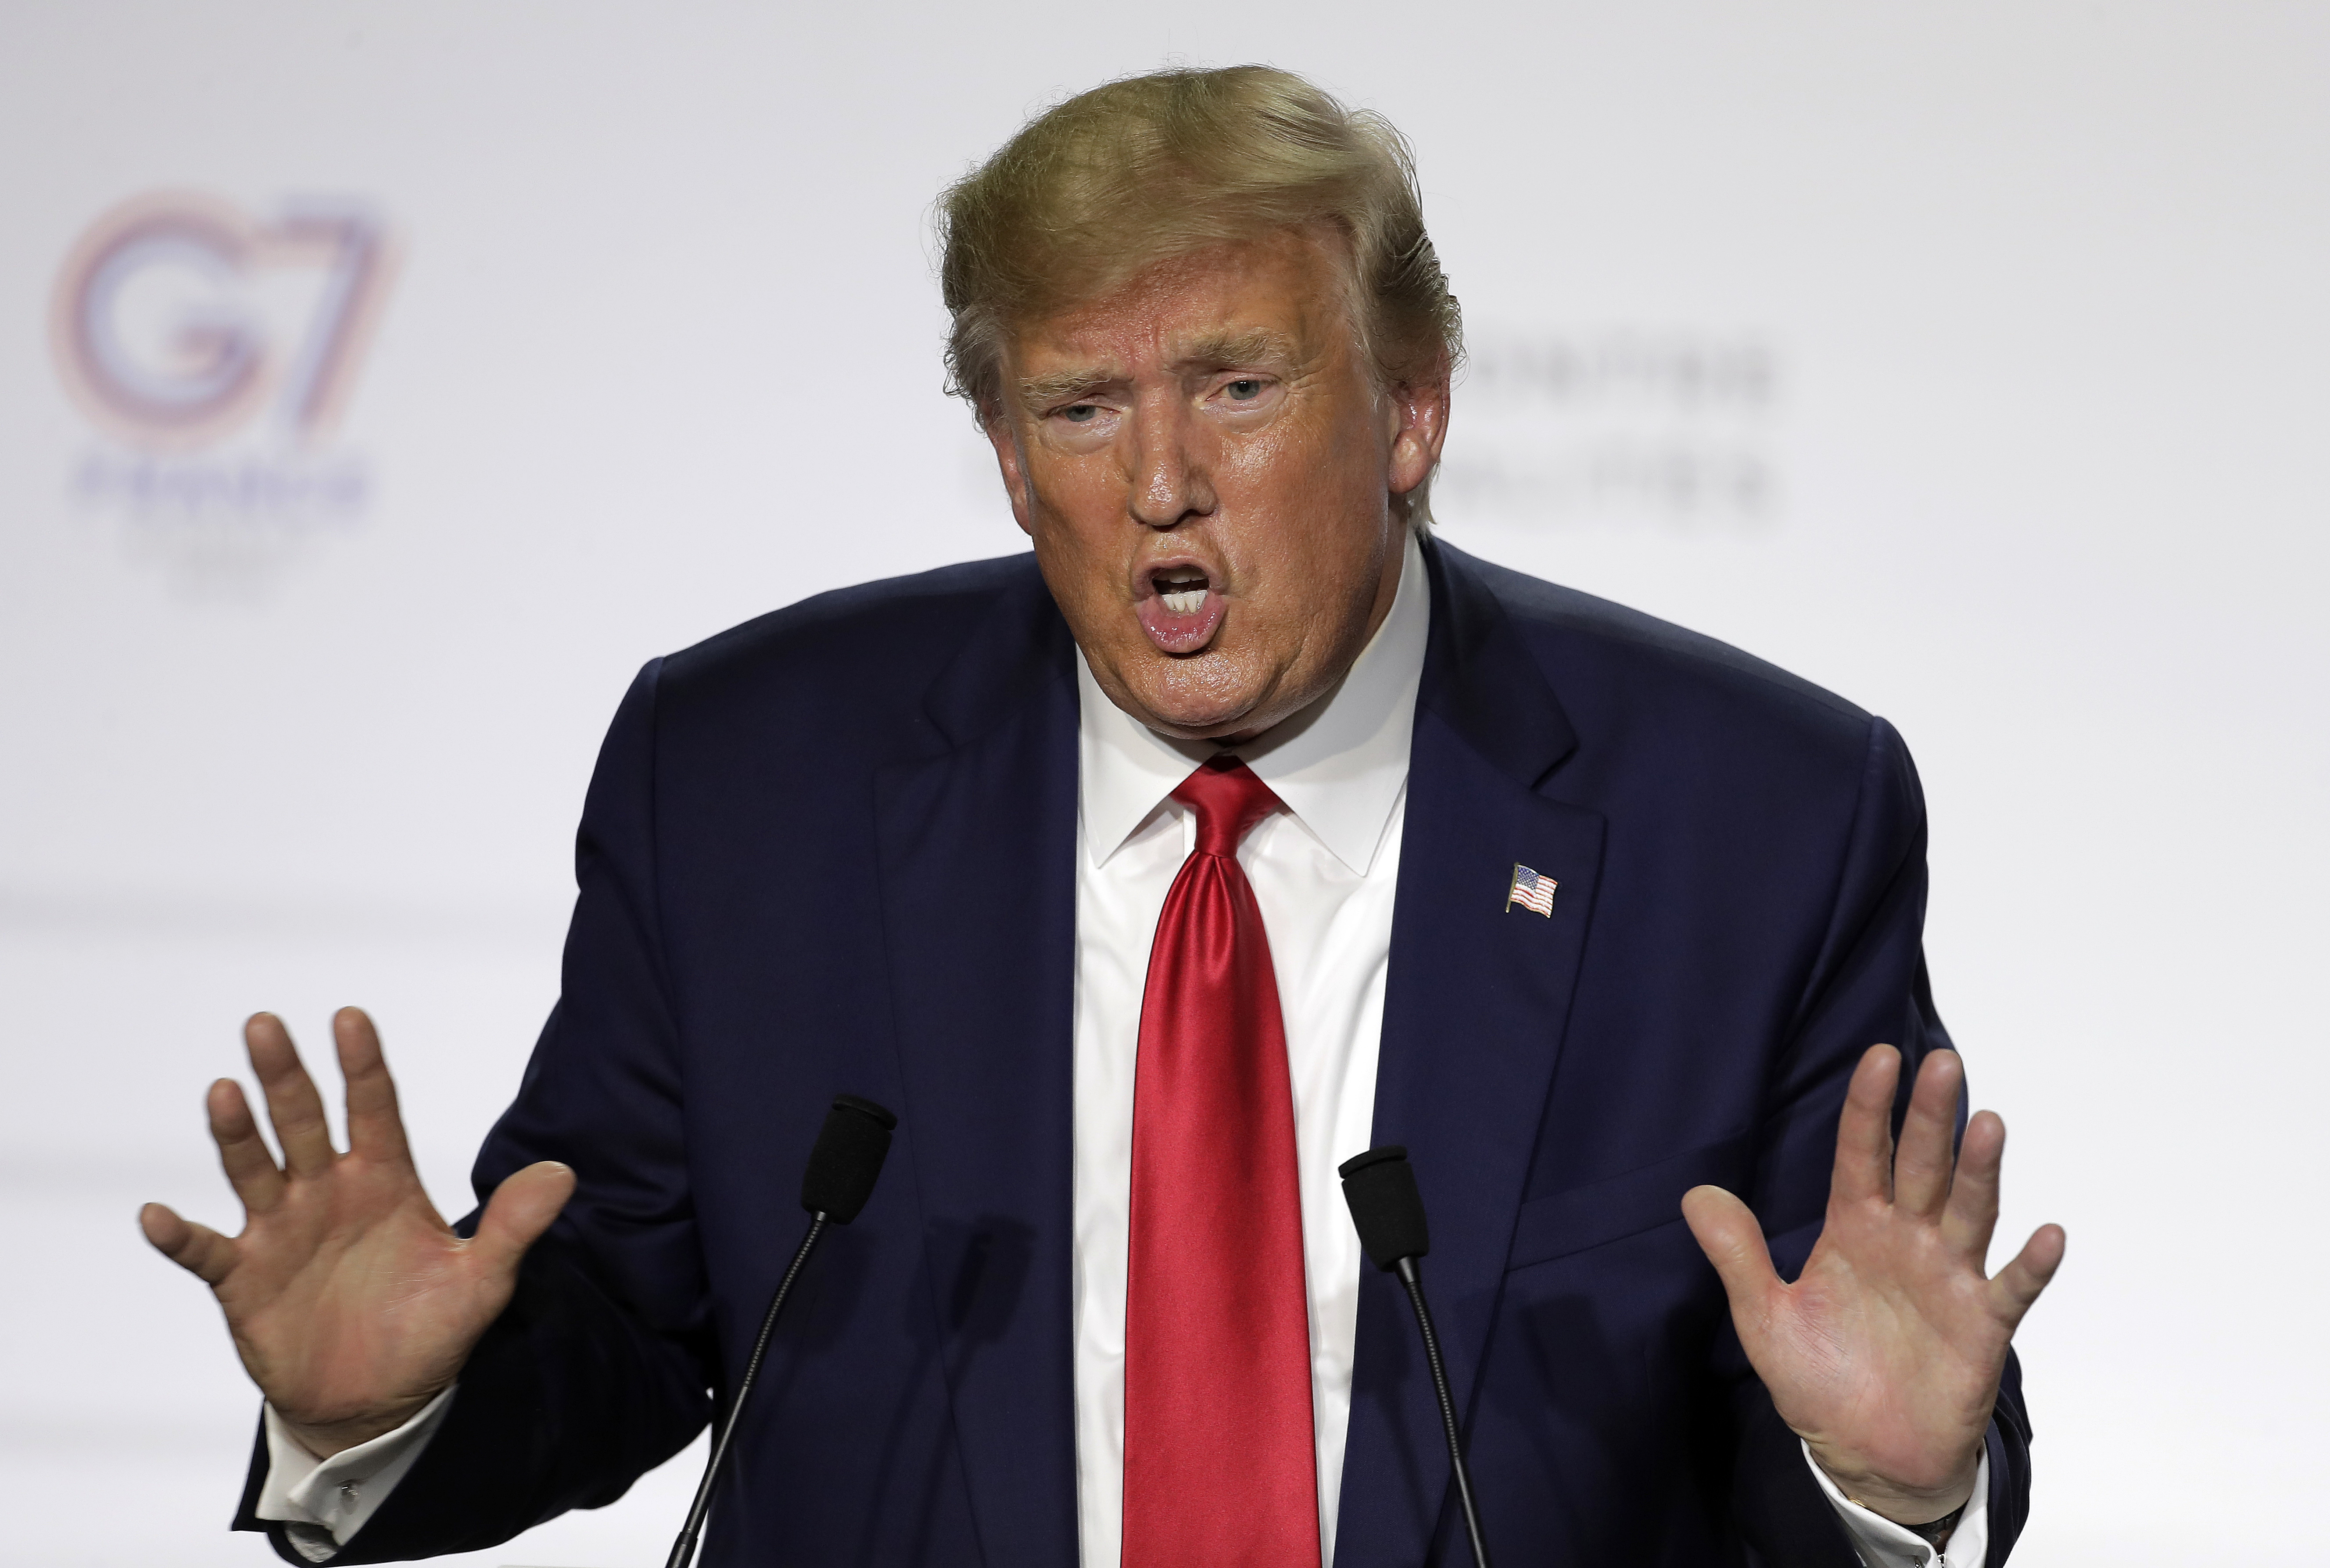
(1285, 296)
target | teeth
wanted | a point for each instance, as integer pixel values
(1186, 603)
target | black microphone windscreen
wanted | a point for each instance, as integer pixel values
(848, 1159)
(1385, 1208)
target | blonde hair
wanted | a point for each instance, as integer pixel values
(1149, 168)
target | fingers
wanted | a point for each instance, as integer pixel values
(293, 1106)
(521, 1209)
(1973, 1211)
(1921, 1171)
(197, 1249)
(375, 1129)
(1864, 1132)
(243, 1153)
(1727, 1232)
(2019, 1283)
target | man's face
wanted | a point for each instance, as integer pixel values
(1205, 464)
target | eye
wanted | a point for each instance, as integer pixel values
(1080, 413)
(1245, 389)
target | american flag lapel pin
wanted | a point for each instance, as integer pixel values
(1531, 891)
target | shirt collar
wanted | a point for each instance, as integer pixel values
(1339, 765)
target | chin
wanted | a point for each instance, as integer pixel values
(1193, 724)
(1191, 710)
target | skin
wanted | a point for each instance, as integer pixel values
(1216, 415)
(1886, 1353)
(1214, 418)
(350, 1299)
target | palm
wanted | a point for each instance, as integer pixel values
(350, 1299)
(300, 1296)
(1885, 1353)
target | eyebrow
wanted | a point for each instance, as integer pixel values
(1037, 391)
(1217, 352)
(1238, 348)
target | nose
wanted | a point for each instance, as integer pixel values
(1169, 478)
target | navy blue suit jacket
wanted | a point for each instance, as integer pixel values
(831, 850)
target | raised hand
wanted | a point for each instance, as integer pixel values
(1885, 1355)
(352, 1302)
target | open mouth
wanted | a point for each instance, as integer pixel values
(1181, 611)
(1182, 588)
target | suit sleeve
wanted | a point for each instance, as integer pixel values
(1867, 986)
(599, 1368)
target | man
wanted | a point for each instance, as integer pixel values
(1244, 828)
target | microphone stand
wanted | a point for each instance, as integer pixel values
(843, 1167)
(1388, 1211)
(1412, 1276)
(683, 1549)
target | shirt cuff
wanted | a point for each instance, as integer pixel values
(323, 1501)
(1883, 1543)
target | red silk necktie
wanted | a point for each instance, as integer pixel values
(1220, 1465)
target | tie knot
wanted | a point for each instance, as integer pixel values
(1228, 800)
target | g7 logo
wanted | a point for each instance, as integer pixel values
(178, 318)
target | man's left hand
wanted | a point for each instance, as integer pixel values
(1884, 1355)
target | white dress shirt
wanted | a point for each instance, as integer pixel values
(323, 1501)
(1324, 872)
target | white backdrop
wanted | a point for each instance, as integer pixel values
(1970, 360)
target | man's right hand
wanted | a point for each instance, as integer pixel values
(351, 1300)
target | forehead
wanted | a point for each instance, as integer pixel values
(1287, 289)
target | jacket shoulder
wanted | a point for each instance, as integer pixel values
(852, 658)
(1574, 633)
(1617, 673)
(927, 612)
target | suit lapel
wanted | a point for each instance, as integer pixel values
(978, 845)
(978, 885)
(1475, 1007)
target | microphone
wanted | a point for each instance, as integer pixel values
(843, 1167)
(1388, 1213)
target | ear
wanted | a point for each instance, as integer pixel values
(1417, 417)
(1004, 437)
